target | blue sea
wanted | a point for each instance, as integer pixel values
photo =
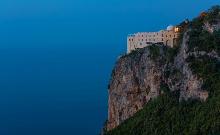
(53, 91)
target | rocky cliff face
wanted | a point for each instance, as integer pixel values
(191, 70)
(135, 80)
(137, 77)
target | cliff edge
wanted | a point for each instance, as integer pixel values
(182, 74)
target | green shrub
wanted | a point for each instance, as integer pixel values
(154, 51)
(213, 14)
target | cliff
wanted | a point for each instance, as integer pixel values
(176, 75)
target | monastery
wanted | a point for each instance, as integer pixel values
(166, 37)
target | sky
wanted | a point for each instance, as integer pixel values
(88, 24)
(56, 58)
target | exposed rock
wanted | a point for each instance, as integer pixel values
(212, 27)
(212, 54)
(189, 84)
(137, 78)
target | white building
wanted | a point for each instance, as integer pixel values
(142, 39)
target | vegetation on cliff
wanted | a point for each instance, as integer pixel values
(202, 40)
(167, 115)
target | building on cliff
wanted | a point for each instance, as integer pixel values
(142, 39)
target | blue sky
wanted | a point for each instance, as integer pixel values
(88, 24)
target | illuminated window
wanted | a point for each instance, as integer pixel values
(177, 29)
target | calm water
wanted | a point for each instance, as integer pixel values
(56, 58)
(52, 91)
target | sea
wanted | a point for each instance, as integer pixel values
(53, 91)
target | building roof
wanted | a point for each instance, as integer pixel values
(170, 27)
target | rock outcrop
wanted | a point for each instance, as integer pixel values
(188, 71)
(212, 27)
(137, 78)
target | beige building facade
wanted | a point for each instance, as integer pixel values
(167, 37)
